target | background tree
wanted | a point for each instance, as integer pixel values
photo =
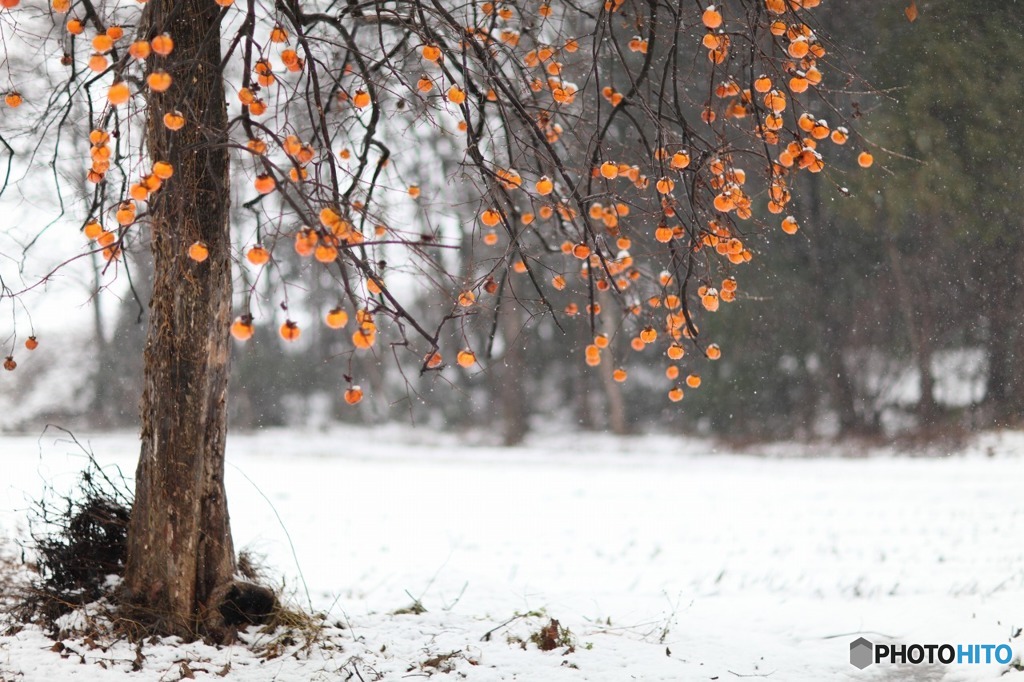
(611, 157)
(951, 194)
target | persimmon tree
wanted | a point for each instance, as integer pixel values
(616, 164)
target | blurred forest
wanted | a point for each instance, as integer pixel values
(896, 309)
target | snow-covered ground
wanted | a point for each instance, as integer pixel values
(666, 560)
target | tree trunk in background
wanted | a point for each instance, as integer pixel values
(840, 387)
(179, 541)
(999, 385)
(511, 391)
(830, 322)
(581, 381)
(1004, 390)
(616, 405)
(98, 409)
(927, 408)
(920, 328)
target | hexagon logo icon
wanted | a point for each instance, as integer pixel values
(861, 653)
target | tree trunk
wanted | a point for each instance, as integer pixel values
(581, 381)
(616, 404)
(915, 308)
(99, 415)
(179, 541)
(513, 375)
(1003, 387)
(927, 409)
(1002, 285)
(831, 317)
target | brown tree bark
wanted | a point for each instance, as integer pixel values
(1004, 389)
(915, 308)
(581, 383)
(179, 542)
(616, 404)
(511, 391)
(101, 387)
(830, 318)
